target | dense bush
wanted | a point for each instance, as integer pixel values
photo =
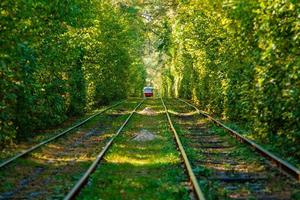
(240, 60)
(60, 58)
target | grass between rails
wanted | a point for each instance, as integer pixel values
(54, 168)
(215, 190)
(140, 169)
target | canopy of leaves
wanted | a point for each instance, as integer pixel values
(61, 58)
(240, 60)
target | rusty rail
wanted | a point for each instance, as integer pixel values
(25, 152)
(187, 164)
(280, 163)
(76, 189)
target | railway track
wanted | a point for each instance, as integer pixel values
(35, 147)
(281, 164)
(131, 148)
(217, 166)
(225, 168)
(198, 192)
(49, 169)
(83, 180)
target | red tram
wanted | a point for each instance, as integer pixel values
(148, 91)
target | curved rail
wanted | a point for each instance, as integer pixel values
(187, 164)
(76, 189)
(281, 164)
(25, 152)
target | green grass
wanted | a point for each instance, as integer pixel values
(140, 170)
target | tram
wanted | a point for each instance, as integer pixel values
(148, 91)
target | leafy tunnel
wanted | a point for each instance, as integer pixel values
(237, 59)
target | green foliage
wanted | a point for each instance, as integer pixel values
(240, 60)
(60, 58)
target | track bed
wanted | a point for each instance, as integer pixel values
(138, 166)
(49, 172)
(225, 168)
(133, 151)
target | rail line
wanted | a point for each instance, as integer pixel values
(280, 163)
(78, 186)
(206, 145)
(26, 152)
(193, 179)
(224, 167)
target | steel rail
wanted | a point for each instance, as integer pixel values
(197, 189)
(76, 189)
(280, 163)
(25, 152)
